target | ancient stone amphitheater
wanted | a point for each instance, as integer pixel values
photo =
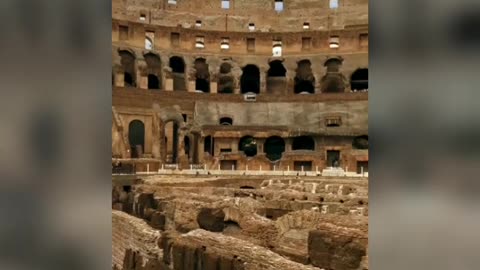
(240, 134)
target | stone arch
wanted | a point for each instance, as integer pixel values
(333, 81)
(226, 121)
(250, 79)
(274, 147)
(127, 61)
(303, 143)
(359, 79)
(360, 142)
(202, 75)
(276, 77)
(136, 138)
(248, 145)
(177, 64)
(304, 80)
(154, 70)
(209, 145)
(226, 82)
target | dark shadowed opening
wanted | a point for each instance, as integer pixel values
(250, 80)
(136, 138)
(153, 82)
(359, 79)
(303, 143)
(274, 147)
(248, 145)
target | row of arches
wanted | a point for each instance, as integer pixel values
(273, 147)
(304, 81)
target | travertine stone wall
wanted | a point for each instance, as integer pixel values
(129, 232)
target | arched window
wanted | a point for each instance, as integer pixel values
(360, 142)
(178, 72)
(274, 148)
(276, 81)
(154, 69)
(304, 79)
(333, 81)
(359, 79)
(202, 75)
(248, 145)
(136, 138)
(303, 143)
(127, 60)
(226, 121)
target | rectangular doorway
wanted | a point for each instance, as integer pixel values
(307, 165)
(360, 165)
(227, 165)
(333, 158)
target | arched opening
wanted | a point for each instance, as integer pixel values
(248, 145)
(359, 79)
(231, 227)
(360, 142)
(171, 142)
(202, 75)
(153, 82)
(127, 60)
(128, 79)
(276, 81)
(274, 148)
(304, 79)
(178, 73)
(226, 121)
(136, 138)
(303, 143)
(225, 79)
(154, 69)
(333, 81)
(250, 80)
(208, 145)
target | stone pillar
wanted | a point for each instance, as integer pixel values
(288, 144)
(169, 84)
(156, 139)
(200, 148)
(213, 87)
(182, 159)
(260, 143)
(191, 86)
(143, 82)
(120, 79)
(263, 80)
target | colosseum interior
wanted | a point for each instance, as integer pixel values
(240, 134)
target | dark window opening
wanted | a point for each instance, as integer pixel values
(248, 145)
(127, 188)
(153, 82)
(136, 138)
(225, 150)
(128, 79)
(186, 143)
(362, 167)
(202, 85)
(202, 74)
(274, 148)
(276, 69)
(333, 158)
(333, 65)
(303, 143)
(304, 81)
(178, 72)
(177, 64)
(225, 68)
(226, 121)
(184, 117)
(359, 79)
(250, 79)
(360, 142)
(247, 187)
(305, 166)
(208, 145)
